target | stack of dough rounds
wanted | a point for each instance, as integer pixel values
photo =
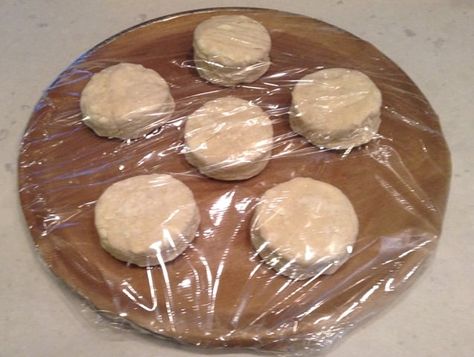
(146, 220)
(228, 139)
(231, 49)
(126, 101)
(336, 108)
(304, 228)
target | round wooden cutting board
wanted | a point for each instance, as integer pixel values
(219, 293)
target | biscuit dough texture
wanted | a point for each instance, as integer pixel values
(146, 220)
(231, 49)
(304, 228)
(126, 101)
(228, 139)
(336, 108)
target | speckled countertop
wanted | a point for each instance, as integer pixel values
(432, 40)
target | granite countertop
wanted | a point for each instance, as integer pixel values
(432, 40)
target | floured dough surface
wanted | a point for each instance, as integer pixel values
(336, 108)
(231, 49)
(304, 228)
(146, 220)
(228, 139)
(126, 101)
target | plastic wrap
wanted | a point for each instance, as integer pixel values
(218, 292)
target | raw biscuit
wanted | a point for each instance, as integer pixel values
(146, 220)
(126, 101)
(304, 228)
(336, 108)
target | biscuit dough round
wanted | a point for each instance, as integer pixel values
(126, 101)
(336, 108)
(231, 49)
(304, 228)
(228, 139)
(146, 220)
